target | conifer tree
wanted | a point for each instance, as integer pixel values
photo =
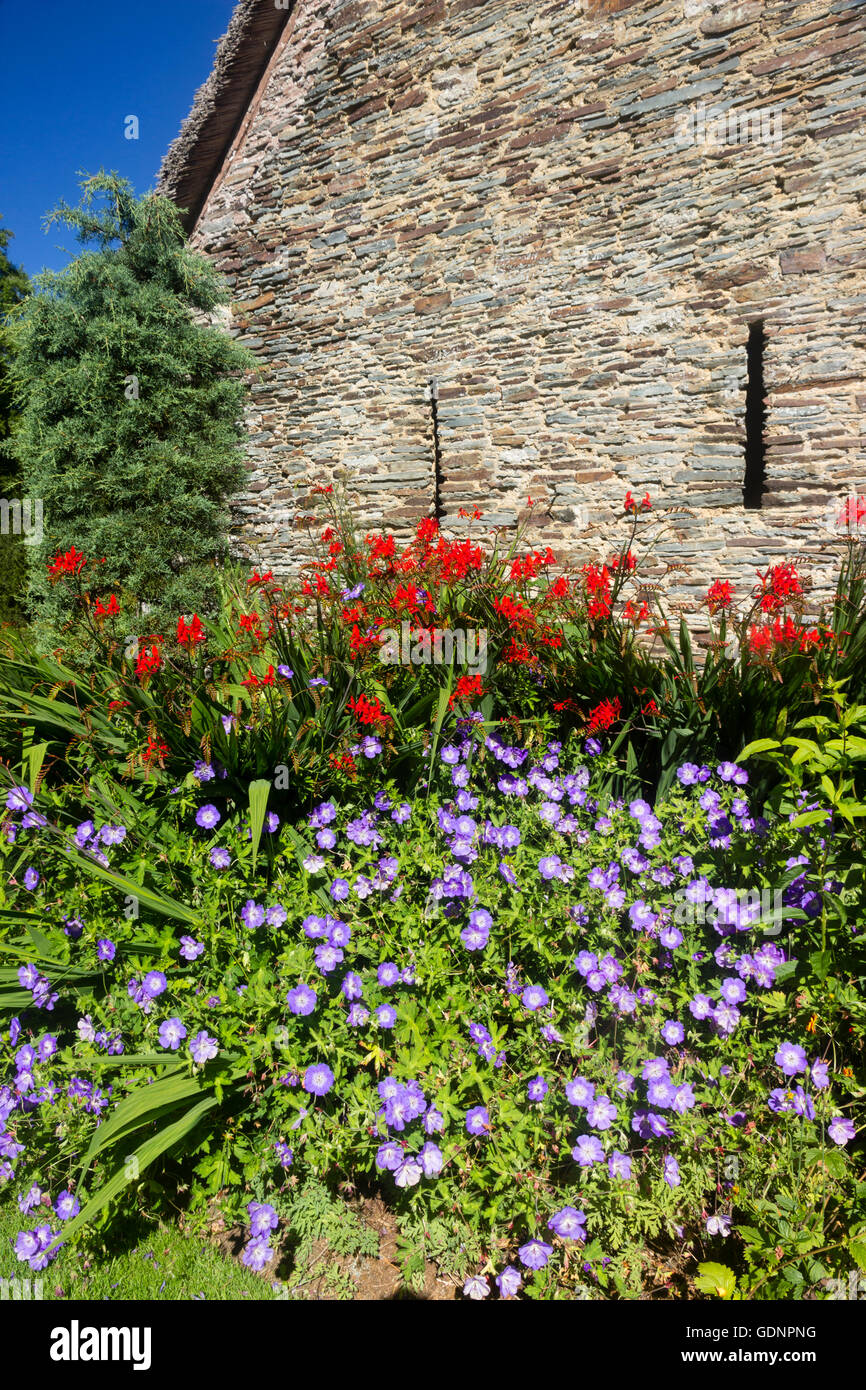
(14, 287)
(131, 409)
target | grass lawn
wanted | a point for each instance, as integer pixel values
(149, 1260)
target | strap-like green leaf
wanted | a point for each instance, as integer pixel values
(160, 902)
(135, 1163)
(36, 757)
(259, 792)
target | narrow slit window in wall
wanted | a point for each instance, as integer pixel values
(756, 414)
(433, 388)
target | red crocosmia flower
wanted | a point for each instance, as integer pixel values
(853, 513)
(720, 596)
(149, 660)
(627, 561)
(190, 634)
(456, 559)
(254, 682)
(596, 579)
(467, 689)
(766, 641)
(361, 642)
(598, 608)
(650, 708)
(779, 584)
(760, 641)
(251, 624)
(155, 749)
(630, 505)
(368, 711)
(321, 588)
(516, 613)
(813, 638)
(381, 547)
(406, 595)
(72, 562)
(560, 588)
(528, 567)
(519, 654)
(604, 714)
(108, 610)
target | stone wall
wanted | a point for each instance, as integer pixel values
(566, 214)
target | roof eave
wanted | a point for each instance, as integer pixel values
(194, 159)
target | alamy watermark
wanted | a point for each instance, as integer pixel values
(22, 518)
(854, 1287)
(77, 1343)
(737, 908)
(21, 1290)
(435, 646)
(846, 516)
(712, 126)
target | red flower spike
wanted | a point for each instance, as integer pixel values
(189, 635)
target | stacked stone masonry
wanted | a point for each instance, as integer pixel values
(565, 216)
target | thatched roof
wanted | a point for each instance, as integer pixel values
(195, 157)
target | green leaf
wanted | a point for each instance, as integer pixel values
(808, 818)
(857, 1250)
(835, 1163)
(442, 709)
(716, 1279)
(750, 1235)
(159, 902)
(853, 747)
(259, 793)
(35, 758)
(760, 745)
(40, 940)
(820, 963)
(144, 1105)
(135, 1164)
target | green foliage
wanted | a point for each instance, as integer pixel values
(257, 713)
(793, 1195)
(14, 288)
(130, 407)
(454, 1246)
(313, 1217)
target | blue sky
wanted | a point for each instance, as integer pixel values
(70, 72)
